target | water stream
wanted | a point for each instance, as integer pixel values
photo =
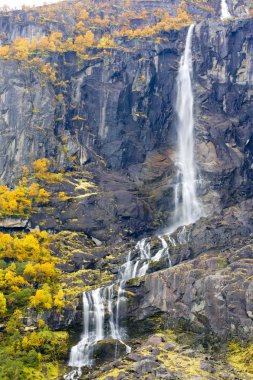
(225, 14)
(102, 307)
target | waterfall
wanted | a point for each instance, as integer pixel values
(187, 208)
(102, 307)
(224, 10)
(93, 323)
(99, 302)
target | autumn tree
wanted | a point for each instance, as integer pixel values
(3, 308)
(42, 298)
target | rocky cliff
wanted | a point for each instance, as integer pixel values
(118, 112)
(112, 119)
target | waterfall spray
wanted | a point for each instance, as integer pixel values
(224, 10)
(187, 208)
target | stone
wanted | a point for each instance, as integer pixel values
(8, 223)
(122, 376)
(170, 346)
(133, 357)
(145, 366)
(105, 350)
(97, 241)
(190, 353)
(155, 340)
(156, 351)
(208, 367)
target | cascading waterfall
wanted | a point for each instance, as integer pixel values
(98, 302)
(106, 301)
(224, 10)
(93, 323)
(187, 208)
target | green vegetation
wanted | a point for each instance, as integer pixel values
(29, 280)
(33, 356)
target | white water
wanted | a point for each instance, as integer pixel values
(224, 10)
(187, 210)
(93, 323)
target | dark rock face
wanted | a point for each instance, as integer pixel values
(119, 110)
(211, 293)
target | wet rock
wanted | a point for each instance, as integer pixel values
(208, 293)
(106, 349)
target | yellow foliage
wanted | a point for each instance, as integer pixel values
(83, 14)
(59, 299)
(4, 51)
(62, 196)
(80, 27)
(3, 308)
(106, 42)
(40, 273)
(42, 298)
(41, 169)
(19, 201)
(48, 72)
(20, 49)
(41, 165)
(33, 246)
(31, 341)
(40, 323)
(43, 196)
(12, 281)
(241, 357)
(89, 38)
(14, 202)
(5, 242)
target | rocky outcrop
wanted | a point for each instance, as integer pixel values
(161, 356)
(211, 293)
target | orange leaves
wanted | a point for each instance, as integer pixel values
(88, 22)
